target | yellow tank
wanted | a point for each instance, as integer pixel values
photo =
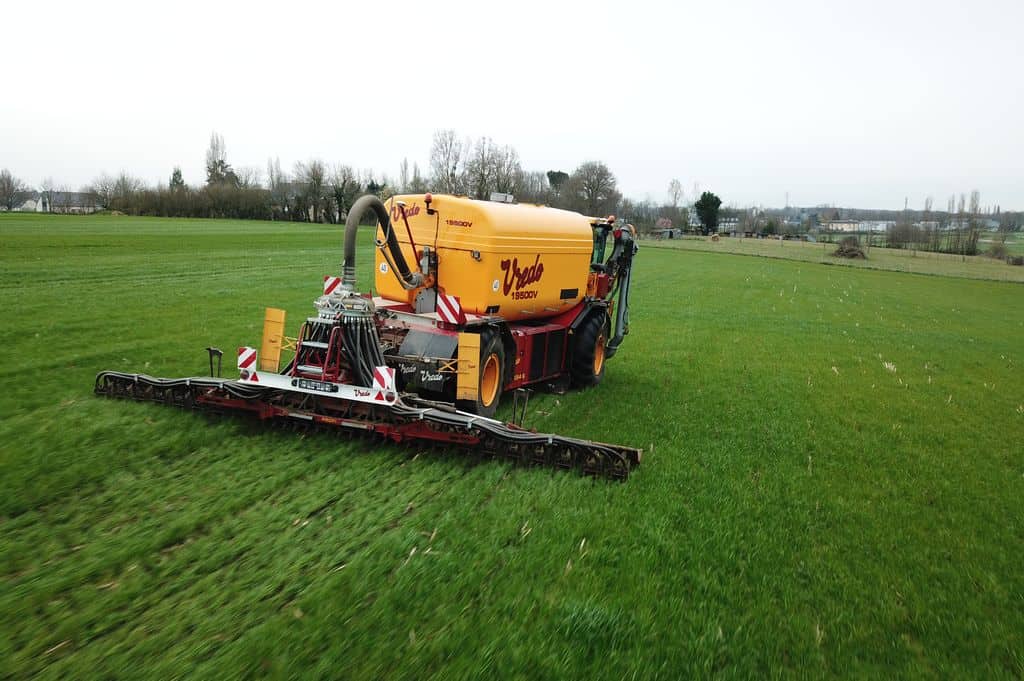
(517, 261)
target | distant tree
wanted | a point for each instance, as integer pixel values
(490, 168)
(311, 177)
(103, 189)
(507, 170)
(12, 190)
(446, 168)
(218, 171)
(675, 193)
(974, 224)
(124, 190)
(532, 187)
(707, 211)
(418, 183)
(556, 178)
(249, 177)
(404, 180)
(46, 189)
(374, 187)
(479, 168)
(345, 188)
(592, 190)
(63, 199)
(177, 183)
(279, 191)
(770, 228)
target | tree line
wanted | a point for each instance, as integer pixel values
(315, 191)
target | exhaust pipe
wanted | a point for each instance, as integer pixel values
(407, 278)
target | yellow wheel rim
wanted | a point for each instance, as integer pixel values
(490, 378)
(599, 355)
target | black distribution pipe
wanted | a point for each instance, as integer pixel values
(348, 265)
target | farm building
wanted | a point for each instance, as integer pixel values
(27, 202)
(57, 202)
(70, 202)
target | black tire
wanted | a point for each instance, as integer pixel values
(491, 349)
(587, 366)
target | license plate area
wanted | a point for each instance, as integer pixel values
(318, 386)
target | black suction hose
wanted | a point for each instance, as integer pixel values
(407, 278)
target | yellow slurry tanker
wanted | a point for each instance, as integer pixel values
(474, 299)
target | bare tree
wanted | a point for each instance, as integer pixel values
(345, 188)
(974, 223)
(418, 184)
(403, 176)
(491, 168)
(479, 170)
(311, 176)
(929, 228)
(103, 189)
(249, 177)
(592, 189)
(675, 193)
(63, 199)
(675, 197)
(12, 190)
(446, 162)
(218, 171)
(46, 189)
(532, 186)
(958, 238)
(124, 189)
(507, 170)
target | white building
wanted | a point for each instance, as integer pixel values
(57, 202)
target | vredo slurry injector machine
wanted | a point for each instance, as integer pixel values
(475, 299)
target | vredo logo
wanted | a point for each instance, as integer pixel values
(518, 278)
(396, 213)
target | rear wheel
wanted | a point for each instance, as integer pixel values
(492, 377)
(588, 354)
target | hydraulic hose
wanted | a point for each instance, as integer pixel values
(625, 249)
(406, 278)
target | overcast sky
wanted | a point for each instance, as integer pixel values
(855, 103)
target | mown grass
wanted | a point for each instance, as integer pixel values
(890, 259)
(802, 508)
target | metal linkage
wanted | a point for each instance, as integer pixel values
(410, 421)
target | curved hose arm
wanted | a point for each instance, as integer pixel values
(407, 278)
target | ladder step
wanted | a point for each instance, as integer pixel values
(314, 344)
(320, 320)
(307, 369)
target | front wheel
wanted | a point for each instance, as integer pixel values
(588, 354)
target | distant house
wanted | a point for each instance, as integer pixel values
(70, 202)
(57, 202)
(842, 225)
(724, 224)
(857, 225)
(26, 202)
(979, 223)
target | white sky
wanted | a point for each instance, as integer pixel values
(858, 103)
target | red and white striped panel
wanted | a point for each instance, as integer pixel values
(246, 358)
(384, 384)
(331, 283)
(449, 309)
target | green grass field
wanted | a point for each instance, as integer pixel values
(833, 483)
(890, 259)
